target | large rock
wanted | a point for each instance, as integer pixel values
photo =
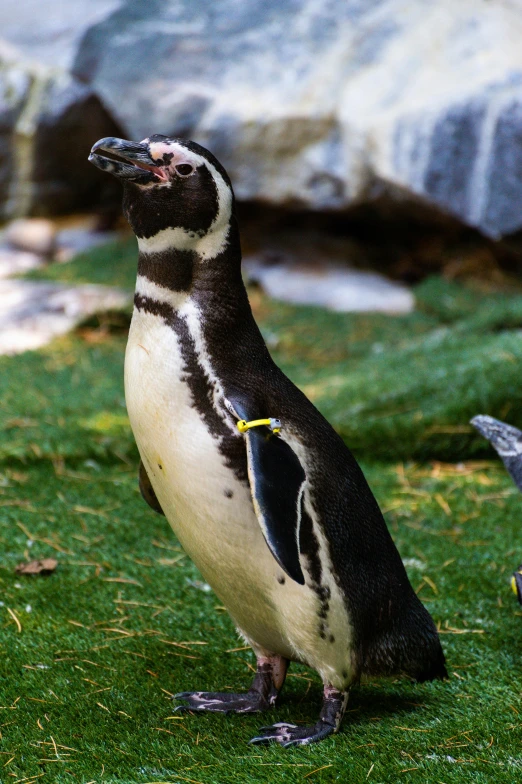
(48, 120)
(49, 32)
(14, 89)
(313, 268)
(35, 235)
(322, 105)
(326, 105)
(32, 313)
(336, 288)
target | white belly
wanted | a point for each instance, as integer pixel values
(212, 514)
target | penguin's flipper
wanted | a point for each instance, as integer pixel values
(277, 481)
(147, 491)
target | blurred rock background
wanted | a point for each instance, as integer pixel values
(321, 105)
(371, 143)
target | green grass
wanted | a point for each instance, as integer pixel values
(395, 388)
(123, 623)
(111, 265)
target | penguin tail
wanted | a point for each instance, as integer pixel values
(435, 669)
(421, 648)
(409, 645)
(423, 654)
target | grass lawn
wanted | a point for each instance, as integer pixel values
(90, 655)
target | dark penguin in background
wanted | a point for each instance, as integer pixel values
(506, 440)
(277, 515)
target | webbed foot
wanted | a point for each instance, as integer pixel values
(262, 695)
(292, 735)
(222, 702)
(334, 706)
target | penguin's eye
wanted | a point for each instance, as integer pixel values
(184, 169)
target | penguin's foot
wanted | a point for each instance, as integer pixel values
(332, 712)
(222, 702)
(262, 695)
(292, 735)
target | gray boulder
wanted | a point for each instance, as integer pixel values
(49, 32)
(48, 120)
(321, 104)
(328, 104)
(14, 89)
(33, 312)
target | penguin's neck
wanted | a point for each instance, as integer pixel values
(185, 283)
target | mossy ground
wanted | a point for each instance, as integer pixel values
(90, 655)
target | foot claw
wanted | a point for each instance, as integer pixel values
(270, 729)
(292, 735)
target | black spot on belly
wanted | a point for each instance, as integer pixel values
(160, 467)
(281, 580)
(201, 388)
(344, 674)
(229, 494)
(331, 638)
(323, 612)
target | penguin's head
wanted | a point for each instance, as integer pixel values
(505, 439)
(176, 194)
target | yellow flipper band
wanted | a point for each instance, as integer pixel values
(273, 424)
(514, 584)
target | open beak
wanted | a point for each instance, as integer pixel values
(127, 160)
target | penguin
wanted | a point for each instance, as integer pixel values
(262, 493)
(506, 440)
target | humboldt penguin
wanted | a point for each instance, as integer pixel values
(262, 493)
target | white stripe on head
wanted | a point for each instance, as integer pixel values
(214, 241)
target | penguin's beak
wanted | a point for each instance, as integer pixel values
(126, 160)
